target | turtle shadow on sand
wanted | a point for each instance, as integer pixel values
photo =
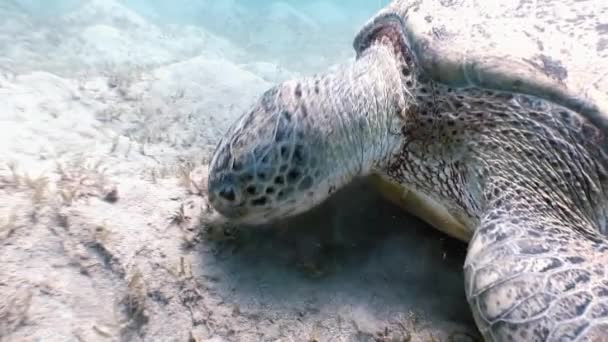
(356, 258)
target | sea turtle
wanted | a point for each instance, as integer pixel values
(485, 118)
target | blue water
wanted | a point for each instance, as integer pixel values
(300, 35)
(318, 34)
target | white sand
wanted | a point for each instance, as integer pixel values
(107, 119)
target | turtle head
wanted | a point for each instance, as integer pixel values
(271, 163)
(305, 139)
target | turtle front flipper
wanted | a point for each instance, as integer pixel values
(530, 277)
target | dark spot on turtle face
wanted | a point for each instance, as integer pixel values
(264, 173)
(251, 190)
(428, 19)
(259, 201)
(270, 190)
(303, 110)
(293, 175)
(287, 115)
(299, 155)
(409, 84)
(405, 71)
(237, 166)
(284, 152)
(317, 87)
(245, 178)
(283, 130)
(298, 91)
(279, 180)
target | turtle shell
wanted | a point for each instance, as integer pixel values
(554, 49)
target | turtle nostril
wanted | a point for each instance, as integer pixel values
(228, 194)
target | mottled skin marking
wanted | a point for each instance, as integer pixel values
(504, 44)
(522, 178)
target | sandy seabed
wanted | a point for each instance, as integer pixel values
(107, 121)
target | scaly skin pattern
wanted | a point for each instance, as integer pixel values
(528, 177)
(305, 139)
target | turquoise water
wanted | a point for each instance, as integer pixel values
(297, 34)
(304, 36)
